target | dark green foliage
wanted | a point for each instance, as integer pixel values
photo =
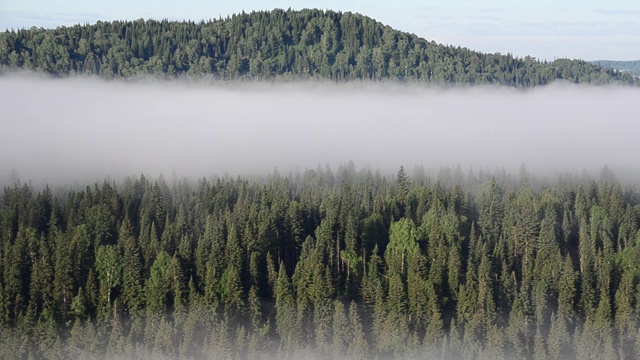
(132, 281)
(158, 285)
(316, 263)
(305, 44)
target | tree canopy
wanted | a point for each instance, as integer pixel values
(278, 44)
(351, 264)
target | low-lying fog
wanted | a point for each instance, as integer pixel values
(73, 129)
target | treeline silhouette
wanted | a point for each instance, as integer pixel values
(347, 264)
(278, 44)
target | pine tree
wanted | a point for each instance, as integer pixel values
(91, 291)
(358, 347)
(402, 188)
(434, 327)
(109, 269)
(158, 284)
(322, 307)
(232, 294)
(287, 325)
(559, 339)
(178, 292)
(63, 274)
(539, 345)
(132, 282)
(403, 243)
(342, 333)
(626, 316)
(417, 291)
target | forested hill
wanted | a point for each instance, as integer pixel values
(632, 67)
(277, 44)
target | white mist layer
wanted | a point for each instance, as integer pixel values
(75, 129)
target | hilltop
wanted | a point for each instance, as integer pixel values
(278, 44)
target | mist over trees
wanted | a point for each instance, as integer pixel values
(278, 44)
(333, 264)
(317, 263)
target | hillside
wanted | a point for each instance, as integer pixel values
(277, 44)
(632, 67)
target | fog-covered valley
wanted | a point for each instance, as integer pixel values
(64, 130)
(402, 221)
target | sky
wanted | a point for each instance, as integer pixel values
(89, 129)
(544, 29)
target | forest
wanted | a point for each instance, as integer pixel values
(351, 263)
(632, 67)
(278, 45)
(320, 263)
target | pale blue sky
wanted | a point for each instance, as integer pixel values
(544, 29)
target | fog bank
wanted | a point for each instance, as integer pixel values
(78, 129)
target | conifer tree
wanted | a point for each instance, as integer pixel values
(287, 325)
(132, 281)
(342, 333)
(358, 347)
(109, 269)
(158, 285)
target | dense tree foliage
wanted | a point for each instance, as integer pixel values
(350, 263)
(274, 45)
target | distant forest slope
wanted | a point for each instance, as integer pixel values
(632, 67)
(277, 44)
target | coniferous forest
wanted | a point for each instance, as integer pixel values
(316, 264)
(278, 44)
(322, 264)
